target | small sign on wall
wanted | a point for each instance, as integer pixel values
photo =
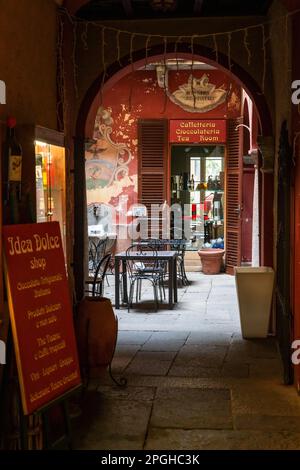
(2, 92)
(204, 131)
(40, 313)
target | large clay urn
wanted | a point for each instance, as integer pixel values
(211, 260)
(97, 330)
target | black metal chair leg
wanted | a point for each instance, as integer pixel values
(160, 290)
(155, 295)
(187, 282)
(137, 290)
(121, 287)
(121, 383)
(130, 295)
(163, 288)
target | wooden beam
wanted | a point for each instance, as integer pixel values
(198, 6)
(127, 5)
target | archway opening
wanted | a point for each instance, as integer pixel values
(262, 125)
(213, 98)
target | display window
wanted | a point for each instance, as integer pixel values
(50, 185)
(197, 184)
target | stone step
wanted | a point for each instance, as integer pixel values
(191, 255)
(192, 269)
(192, 262)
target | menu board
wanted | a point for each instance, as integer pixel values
(40, 313)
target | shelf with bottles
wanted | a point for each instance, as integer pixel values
(197, 190)
(185, 184)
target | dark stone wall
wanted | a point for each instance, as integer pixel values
(28, 60)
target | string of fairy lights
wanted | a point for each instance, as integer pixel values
(166, 41)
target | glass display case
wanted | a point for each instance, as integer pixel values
(50, 184)
(197, 184)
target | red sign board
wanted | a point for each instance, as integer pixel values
(41, 314)
(202, 131)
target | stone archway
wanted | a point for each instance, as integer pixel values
(86, 119)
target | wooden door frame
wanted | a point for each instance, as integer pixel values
(194, 144)
(283, 275)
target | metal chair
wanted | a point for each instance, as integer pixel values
(158, 244)
(179, 247)
(148, 270)
(96, 252)
(99, 277)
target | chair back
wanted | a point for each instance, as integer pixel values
(157, 244)
(137, 268)
(96, 252)
(100, 275)
(179, 246)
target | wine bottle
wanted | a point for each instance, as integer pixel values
(13, 160)
(192, 183)
(210, 183)
(181, 182)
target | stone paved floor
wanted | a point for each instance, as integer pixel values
(193, 382)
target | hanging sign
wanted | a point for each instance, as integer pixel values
(204, 131)
(40, 312)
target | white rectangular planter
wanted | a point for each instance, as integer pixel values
(254, 290)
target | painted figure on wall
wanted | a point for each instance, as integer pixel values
(106, 161)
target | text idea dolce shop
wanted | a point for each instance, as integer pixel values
(36, 244)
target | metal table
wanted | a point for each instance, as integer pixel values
(169, 256)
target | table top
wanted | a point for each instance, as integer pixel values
(162, 241)
(102, 236)
(145, 255)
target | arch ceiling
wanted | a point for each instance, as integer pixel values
(89, 105)
(135, 9)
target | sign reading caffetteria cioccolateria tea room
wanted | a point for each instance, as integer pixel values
(206, 131)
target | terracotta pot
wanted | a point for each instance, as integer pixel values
(211, 260)
(97, 330)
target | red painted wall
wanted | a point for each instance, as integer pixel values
(247, 216)
(138, 96)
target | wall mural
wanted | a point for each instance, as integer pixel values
(112, 154)
(106, 161)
